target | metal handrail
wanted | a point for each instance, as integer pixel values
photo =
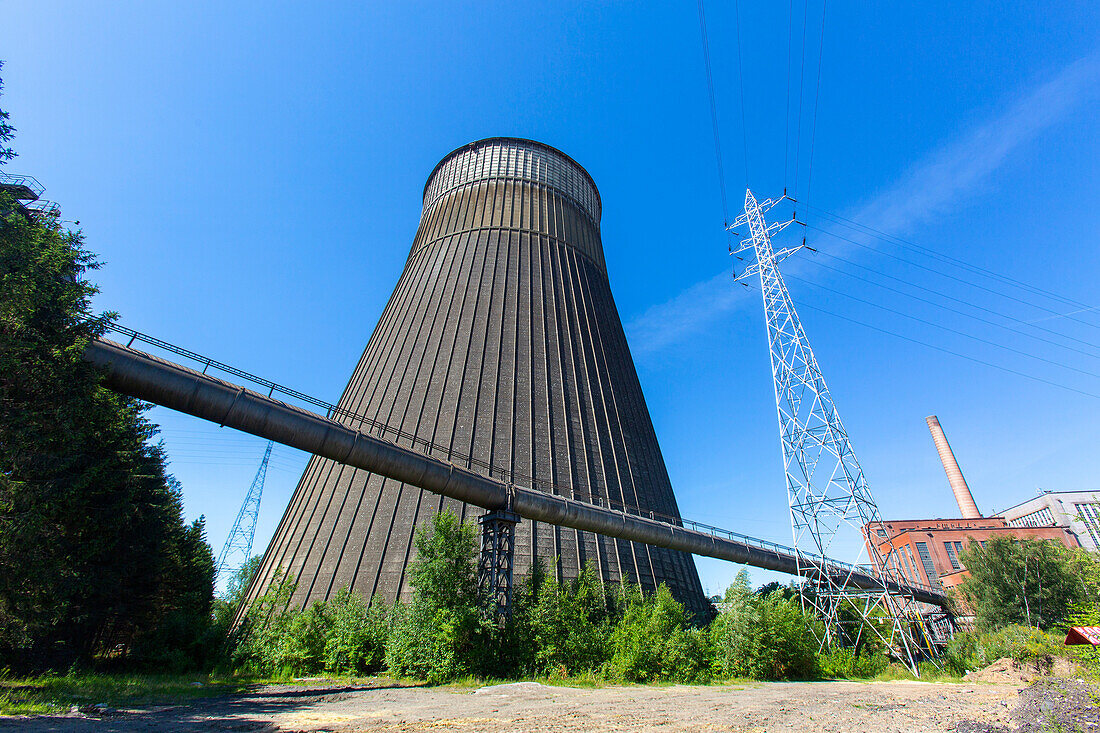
(383, 430)
(30, 182)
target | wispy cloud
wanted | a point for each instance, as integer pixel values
(928, 188)
(689, 312)
(933, 183)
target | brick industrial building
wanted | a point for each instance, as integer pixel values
(927, 550)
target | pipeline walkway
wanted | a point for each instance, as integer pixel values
(197, 393)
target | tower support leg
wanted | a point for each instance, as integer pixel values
(498, 549)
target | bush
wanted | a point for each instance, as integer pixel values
(845, 663)
(356, 642)
(257, 646)
(441, 635)
(652, 642)
(764, 637)
(302, 647)
(570, 626)
(971, 650)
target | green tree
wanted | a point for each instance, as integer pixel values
(7, 132)
(764, 637)
(95, 558)
(654, 642)
(441, 635)
(571, 624)
(1031, 582)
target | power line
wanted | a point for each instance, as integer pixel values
(950, 277)
(940, 294)
(817, 98)
(787, 124)
(949, 351)
(949, 309)
(801, 84)
(935, 254)
(713, 113)
(946, 328)
(741, 84)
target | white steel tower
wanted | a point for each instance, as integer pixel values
(830, 502)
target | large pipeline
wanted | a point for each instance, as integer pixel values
(170, 385)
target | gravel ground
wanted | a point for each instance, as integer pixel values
(1051, 705)
(380, 705)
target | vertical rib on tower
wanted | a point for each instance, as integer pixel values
(951, 467)
(501, 341)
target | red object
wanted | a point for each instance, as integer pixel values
(1083, 635)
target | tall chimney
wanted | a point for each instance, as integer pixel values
(958, 484)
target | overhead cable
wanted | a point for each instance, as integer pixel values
(969, 283)
(946, 328)
(962, 313)
(713, 114)
(949, 351)
(817, 97)
(955, 261)
(941, 294)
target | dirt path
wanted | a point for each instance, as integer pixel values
(876, 707)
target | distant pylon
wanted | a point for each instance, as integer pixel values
(237, 549)
(827, 492)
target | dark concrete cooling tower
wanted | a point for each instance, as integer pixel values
(501, 341)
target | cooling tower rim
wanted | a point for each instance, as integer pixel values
(526, 141)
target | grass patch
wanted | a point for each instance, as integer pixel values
(928, 673)
(58, 693)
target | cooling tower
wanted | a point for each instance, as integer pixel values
(500, 350)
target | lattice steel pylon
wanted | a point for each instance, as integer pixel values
(829, 499)
(237, 549)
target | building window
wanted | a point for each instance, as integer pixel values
(1041, 518)
(926, 561)
(953, 550)
(1090, 517)
(913, 574)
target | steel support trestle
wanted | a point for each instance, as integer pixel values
(494, 574)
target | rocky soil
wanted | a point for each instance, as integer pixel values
(1050, 705)
(381, 705)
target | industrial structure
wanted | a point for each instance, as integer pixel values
(500, 350)
(198, 393)
(959, 487)
(830, 501)
(927, 551)
(27, 193)
(237, 549)
(1078, 511)
(498, 384)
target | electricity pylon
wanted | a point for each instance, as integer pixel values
(237, 549)
(827, 492)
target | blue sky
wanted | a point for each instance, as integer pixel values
(250, 173)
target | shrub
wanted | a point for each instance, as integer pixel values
(653, 643)
(570, 625)
(971, 650)
(257, 645)
(441, 635)
(356, 643)
(764, 637)
(846, 663)
(301, 650)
